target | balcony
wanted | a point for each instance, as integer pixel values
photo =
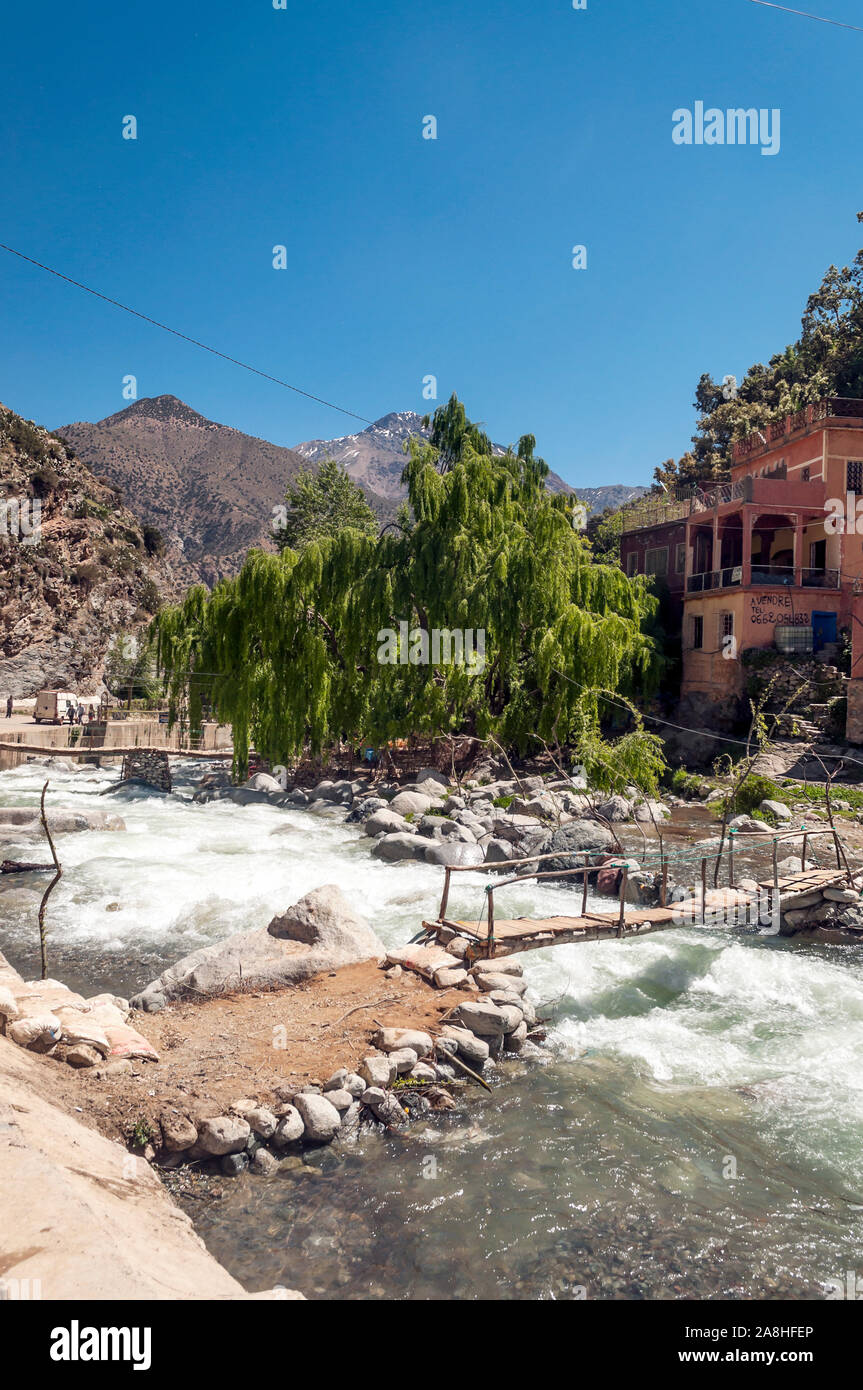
(761, 576)
(830, 408)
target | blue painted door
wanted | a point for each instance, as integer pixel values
(823, 629)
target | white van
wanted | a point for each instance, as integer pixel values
(52, 706)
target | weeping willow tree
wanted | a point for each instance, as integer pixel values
(290, 651)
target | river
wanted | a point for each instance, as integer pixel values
(695, 1129)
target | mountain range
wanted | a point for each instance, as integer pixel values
(211, 490)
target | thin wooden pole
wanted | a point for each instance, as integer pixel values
(703, 891)
(584, 895)
(445, 898)
(621, 921)
(731, 859)
(663, 891)
(836, 847)
(490, 891)
(774, 905)
(803, 859)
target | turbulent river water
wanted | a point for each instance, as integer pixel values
(694, 1130)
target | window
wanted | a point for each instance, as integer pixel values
(726, 629)
(854, 476)
(804, 474)
(656, 560)
(697, 633)
(680, 558)
(632, 562)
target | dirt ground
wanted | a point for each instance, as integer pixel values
(218, 1051)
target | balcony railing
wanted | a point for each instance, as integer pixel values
(831, 407)
(732, 577)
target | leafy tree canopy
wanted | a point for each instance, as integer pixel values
(321, 503)
(288, 652)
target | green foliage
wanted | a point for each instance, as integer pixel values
(825, 360)
(504, 802)
(294, 639)
(321, 504)
(753, 791)
(686, 784)
(604, 531)
(88, 507)
(154, 541)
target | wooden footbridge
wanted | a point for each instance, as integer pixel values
(494, 936)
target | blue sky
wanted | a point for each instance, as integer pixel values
(406, 256)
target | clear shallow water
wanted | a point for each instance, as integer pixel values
(695, 1131)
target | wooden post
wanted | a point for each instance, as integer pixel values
(774, 902)
(836, 846)
(803, 857)
(490, 891)
(621, 921)
(584, 895)
(703, 891)
(663, 891)
(731, 859)
(445, 898)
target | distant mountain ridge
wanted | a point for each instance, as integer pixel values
(211, 489)
(375, 456)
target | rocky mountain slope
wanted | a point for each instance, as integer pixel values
(208, 488)
(76, 568)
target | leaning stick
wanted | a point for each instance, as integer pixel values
(55, 880)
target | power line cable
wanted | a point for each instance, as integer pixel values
(804, 14)
(184, 336)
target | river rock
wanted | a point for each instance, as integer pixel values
(403, 845)
(83, 1055)
(569, 842)
(515, 1041)
(392, 1039)
(263, 782)
(342, 1100)
(320, 932)
(449, 978)
(488, 981)
(178, 1132)
(386, 822)
(290, 1127)
(454, 853)
(474, 1050)
(263, 1122)
(404, 1058)
(643, 809)
(616, 808)
(499, 851)
(227, 1134)
(264, 1164)
(411, 803)
(749, 825)
(423, 1072)
(363, 810)
(373, 1096)
(336, 1081)
(777, 809)
(389, 1111)
(842, 895)
(377, 1071)
(320, 1117)
(232, 1165)
(61, 821)
(354, 1085)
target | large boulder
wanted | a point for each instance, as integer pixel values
(386, 822)
(410, 803)
(320, 932)
(570, 843)
(24, 820)
(402, 844)
(453, 853)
